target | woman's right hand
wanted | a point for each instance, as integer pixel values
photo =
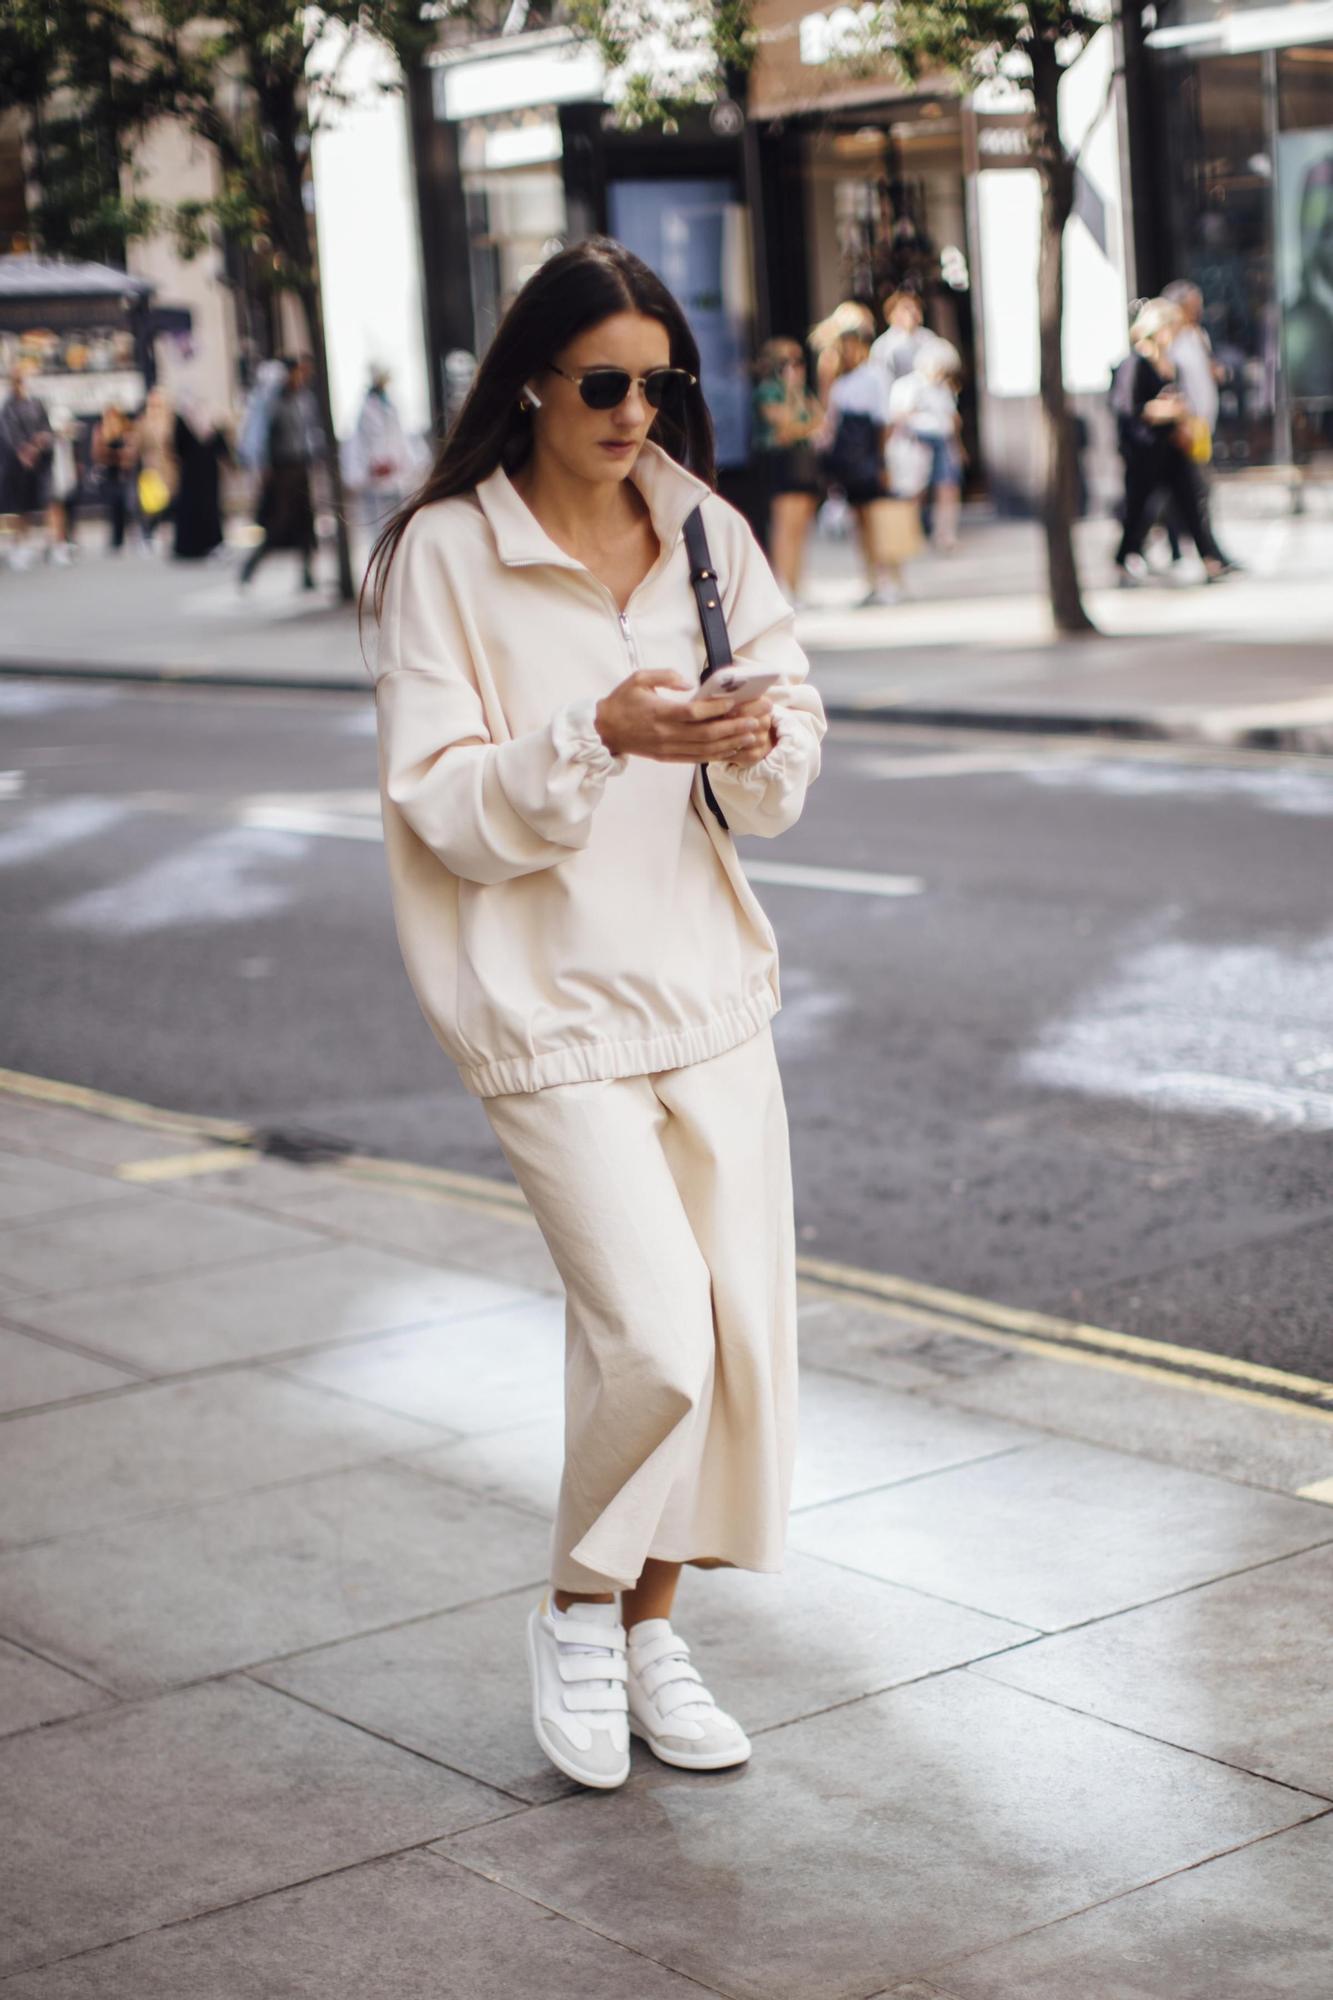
(641, 719)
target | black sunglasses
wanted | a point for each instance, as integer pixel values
(607, 388)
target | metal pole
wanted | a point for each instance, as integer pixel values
(1284, 451)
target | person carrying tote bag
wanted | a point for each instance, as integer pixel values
(560, 799)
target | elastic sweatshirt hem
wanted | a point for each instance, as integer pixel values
(596, 1062)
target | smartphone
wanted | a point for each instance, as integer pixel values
(743, 683)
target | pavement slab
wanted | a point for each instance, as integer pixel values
(322, 1294)
(33, 1372)
(30, 1186)
(427, 1226)
(477, 1373)
(1236, 1670)
(412, 1928)
(875, 1840)
(131, 1238)
(153, 1812)
(1059, 1532)
(160, 1446)
(33, 1692)
(774, 1649)
(1251, 1925)
(208, 1589)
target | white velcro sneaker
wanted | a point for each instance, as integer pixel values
(671, 1709)
(579, 1708)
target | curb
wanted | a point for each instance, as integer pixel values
(1305, 739)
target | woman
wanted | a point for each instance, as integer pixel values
(115, 458)
(1152, 419)
(924, 403)
(856, 435)
(586, 946)
(201, 450)
(786, 420)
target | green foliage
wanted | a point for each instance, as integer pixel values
(667, 55)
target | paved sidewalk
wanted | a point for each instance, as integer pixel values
(1244, 663)
(1039, 1704)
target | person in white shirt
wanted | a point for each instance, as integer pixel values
(925, 404)
(378, 461)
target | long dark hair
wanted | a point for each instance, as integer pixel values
(575, 289)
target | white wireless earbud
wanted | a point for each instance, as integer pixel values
(533, 399)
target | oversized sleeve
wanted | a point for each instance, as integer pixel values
(767, 797)
(488, 810)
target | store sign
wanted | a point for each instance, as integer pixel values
(997, 139)
(842, 32)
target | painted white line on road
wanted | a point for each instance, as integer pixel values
(1224, 1031)
(850, 881)
(282, 816)
(62, 823)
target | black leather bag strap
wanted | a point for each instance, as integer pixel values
(717, 643)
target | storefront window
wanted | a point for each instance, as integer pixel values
(515, 197)
(1214, 142)
(1247, 142)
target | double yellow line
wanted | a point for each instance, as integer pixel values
(230, 1144)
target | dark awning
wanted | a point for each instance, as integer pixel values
(55, 292)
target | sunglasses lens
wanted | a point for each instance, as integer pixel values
(604, 388)
(665, 388)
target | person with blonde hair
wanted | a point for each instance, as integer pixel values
(851, 317)
(1152, 421)
(787, 419)
(856, 436)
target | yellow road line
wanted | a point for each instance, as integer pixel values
(988, 1312)
(1321, 1490)
(958, 1312)
(184, 1166)
(74, 1097)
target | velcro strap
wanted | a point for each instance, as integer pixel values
(612, 1700)
(674, 1697)
(658, 1647)
(664, 1673)
(582, 1632)
(586, 1667)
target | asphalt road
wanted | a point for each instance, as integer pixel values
(1057, 1032)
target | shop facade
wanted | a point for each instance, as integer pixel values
(1233, 190)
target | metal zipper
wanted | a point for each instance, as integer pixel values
(628, 637)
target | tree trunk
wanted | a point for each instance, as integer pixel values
(1060, 470)
(314, 313)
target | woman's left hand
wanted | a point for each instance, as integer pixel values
(761, 710)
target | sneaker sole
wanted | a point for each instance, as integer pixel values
(598, 1781)
(707, 1760)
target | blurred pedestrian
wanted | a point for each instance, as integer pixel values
(855, 436)
(202, 449)
(849, 317)
(25, 458)
(292, 444)
(155, 487)
(787, 419)
(66, 484)
(115, 458)
(905, 338)
(378, 461)
(1199, 377)
(1152, 420)
(924, 403)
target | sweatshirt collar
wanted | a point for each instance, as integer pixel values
(670, 491)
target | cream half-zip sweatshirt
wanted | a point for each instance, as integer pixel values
(565, 914)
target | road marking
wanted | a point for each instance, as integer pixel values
(1321, 1490)
(278, 815)
(962, 1313)
(1045, 1327)
(183, 1166)
(849, 881)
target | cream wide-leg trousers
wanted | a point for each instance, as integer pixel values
(666, 1202)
